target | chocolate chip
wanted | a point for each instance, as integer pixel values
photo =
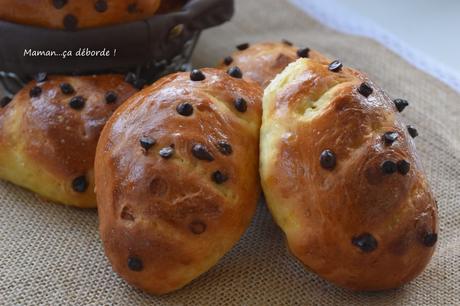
(77, 102)
(400, 104)
(132, 7)
(366, 242)
(110, 97)
(390, 137)
(35, 92)
(365, 89)
(228, 60)
(224, 148)
(80, 184)
(197, 75)
(327, 159)
(70, 22)
(66, 88)
(4, 101)
(135, 263)
(100, 6)
(389, 167)
(241, 105)
(403, 167)
(147, 142)
(335, 66)
(41, 77)
(235, 72)
(185, 109)
(166, 152)
(430, 239)
(412, 131)
(218, 177)
(200, 152)
(303, 52)
(197, 227)
(286, 42)
(59, 3)
(242, 47)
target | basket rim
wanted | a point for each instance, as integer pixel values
(186, 8)
(138, 43)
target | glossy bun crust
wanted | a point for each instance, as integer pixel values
(47, 146)
(354, 205)
(261, 62)
(177, 177)
(76, 14)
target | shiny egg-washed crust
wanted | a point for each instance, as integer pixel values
(261, 62)
(169, 214)
(43, 13)
(308, 109)
(45, 144)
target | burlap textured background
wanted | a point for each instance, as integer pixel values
(51, 254)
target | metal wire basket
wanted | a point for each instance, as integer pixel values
(146, 49)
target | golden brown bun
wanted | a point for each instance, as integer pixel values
(164, 221)
(46, 144)
(362, 223)
(261, 62)
(76, 14)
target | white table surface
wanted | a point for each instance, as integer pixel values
(425, 32)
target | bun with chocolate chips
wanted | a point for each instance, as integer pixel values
(177, 177)
(72, 14)
(342, 179)
(49, 132)
(261, 62)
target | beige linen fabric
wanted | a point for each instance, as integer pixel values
(51, 254)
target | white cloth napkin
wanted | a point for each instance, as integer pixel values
(340, 16)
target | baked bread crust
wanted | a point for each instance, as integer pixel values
(177, 177)
(73, 14)
(261, 62)
(48, 138)
(353, 202)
